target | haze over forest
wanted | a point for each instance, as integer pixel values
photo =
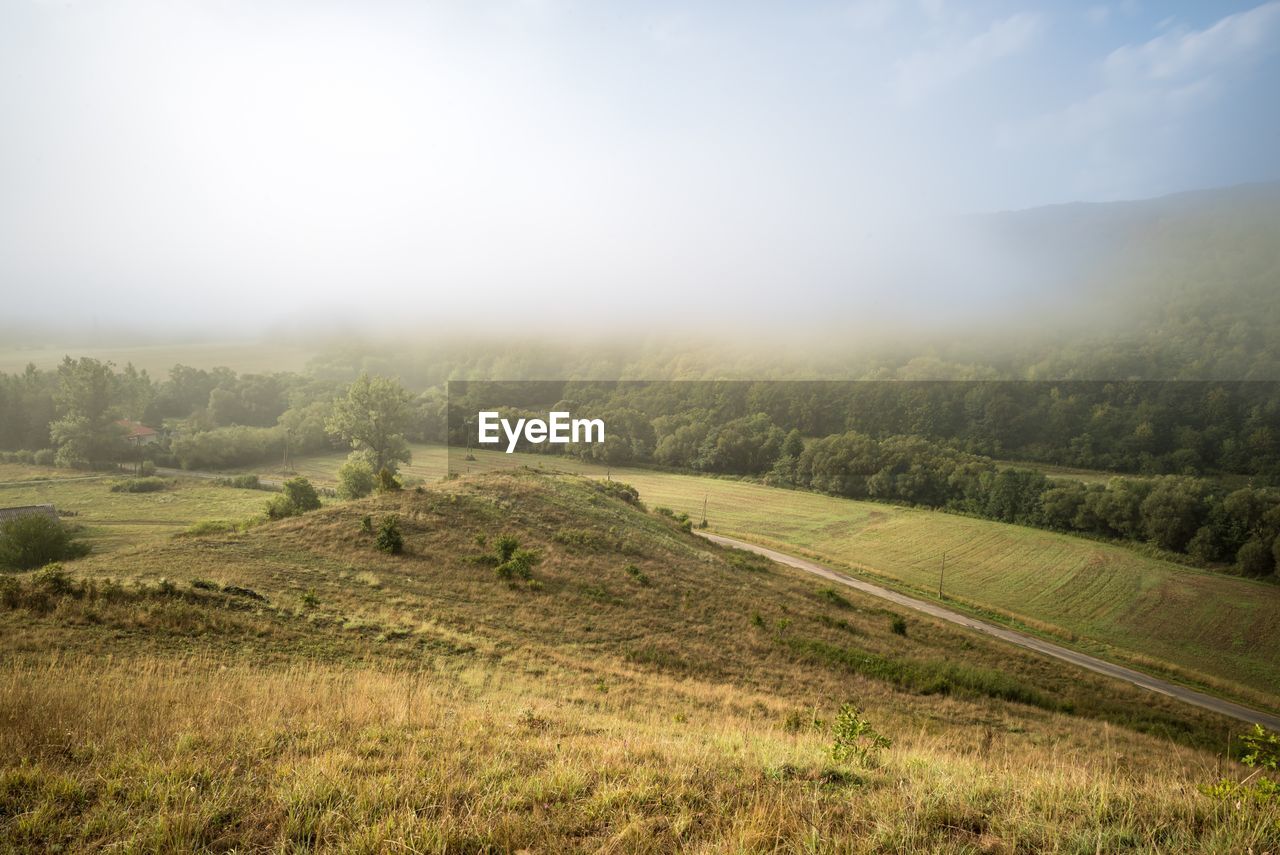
(180, 168)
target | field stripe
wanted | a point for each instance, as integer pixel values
(1119, 672)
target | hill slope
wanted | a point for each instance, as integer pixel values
(291, 686)
(1110, 600)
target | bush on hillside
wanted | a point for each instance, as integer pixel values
(389, 539)
(387, 482)
(140, 485)
(505, 546)
(854, 736)
(298, 497)
(303, 496)
(355, 479)
(33, 540)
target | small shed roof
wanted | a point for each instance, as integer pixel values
(25, 510)
(134, 430)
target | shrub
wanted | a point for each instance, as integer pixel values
(636, 573)
(898, 625)
(298, 497)
(139, 485)
(831, 595)
(389, 539)
(355, 479)
(245, 482)
(366, 524)
(146, 468)
(33, 540)
(387, 482)
(52, 579)
(279, 507)
(519, 565)
(211, 527)
(581, 537)
(44, 457)
(1255, 558)
(505, 546)
(619, 490)
(853, 736)
(10, 592)
(1262, 754)
(301, 494)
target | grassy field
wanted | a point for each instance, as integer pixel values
(113, 521)
(158, 359)
(1217, 631)
(289, 687)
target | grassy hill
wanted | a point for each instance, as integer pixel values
(290, 687)
(1216, 631)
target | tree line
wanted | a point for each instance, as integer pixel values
(1206, 453)
(759, 429)
(207, 418)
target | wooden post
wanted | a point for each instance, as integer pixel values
(942, 573)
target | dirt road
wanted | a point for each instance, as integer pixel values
(1119, 672)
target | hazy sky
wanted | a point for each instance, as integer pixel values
(235, 162)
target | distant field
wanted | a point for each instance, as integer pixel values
(114, 521)
(1060, 473)
(158, 359)
(1098, 476)
(1105, 598)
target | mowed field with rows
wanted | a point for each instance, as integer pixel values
(1219, 631)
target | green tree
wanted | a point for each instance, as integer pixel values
(85, 430)
(373, 417)
(793, 445)
(1173, 512)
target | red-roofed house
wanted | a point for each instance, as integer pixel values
(138, 434)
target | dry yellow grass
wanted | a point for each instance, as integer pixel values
(198, 755)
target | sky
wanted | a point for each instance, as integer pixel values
(242, 162)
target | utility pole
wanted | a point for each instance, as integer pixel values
(704, 510)
(942, 573)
